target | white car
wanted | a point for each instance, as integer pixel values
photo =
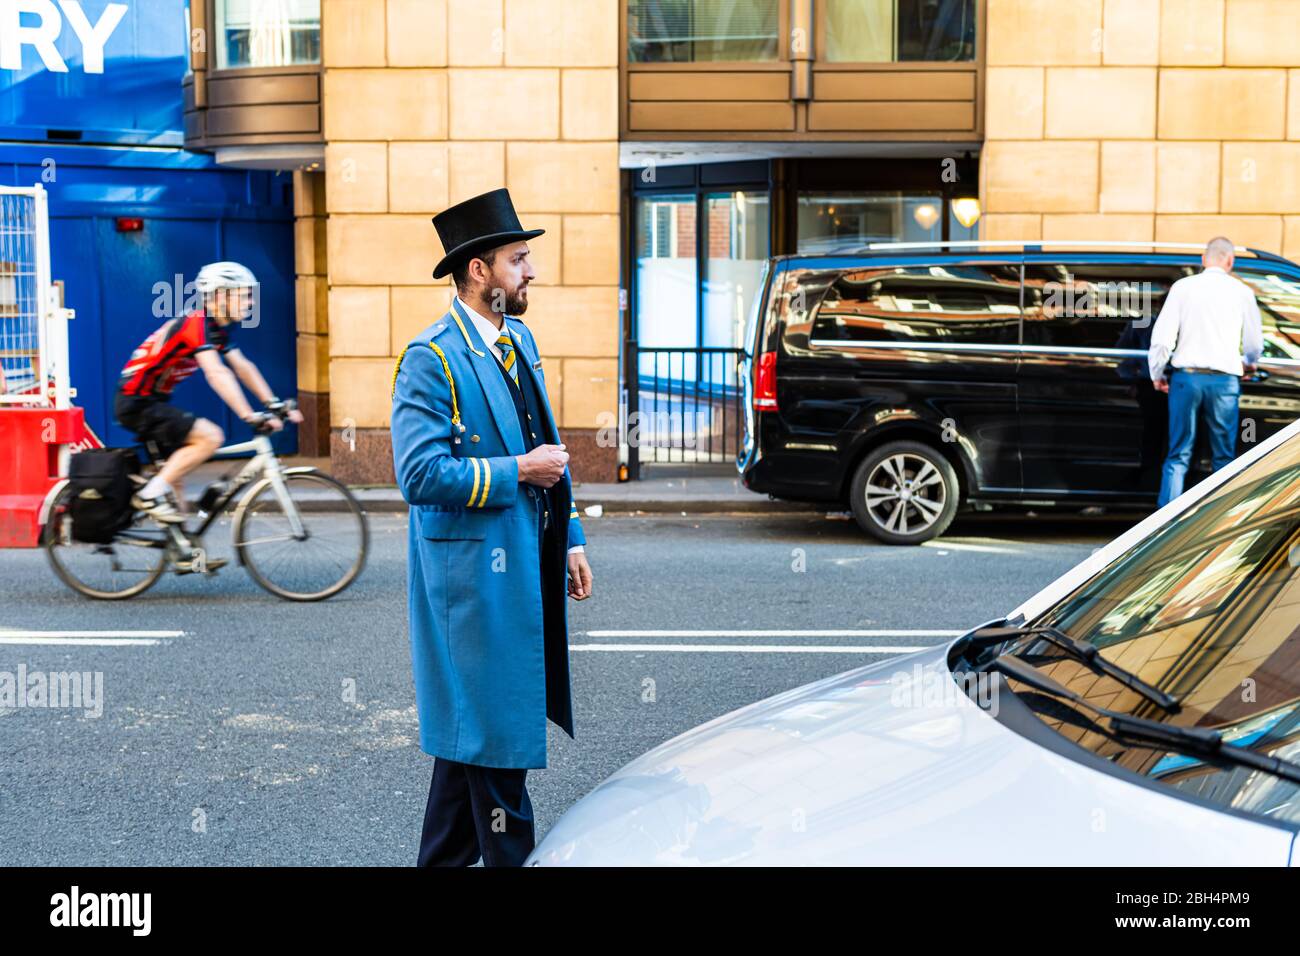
(1144, 708)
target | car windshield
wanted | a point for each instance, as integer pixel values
(1208, 610)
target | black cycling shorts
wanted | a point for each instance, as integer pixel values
(155, 420)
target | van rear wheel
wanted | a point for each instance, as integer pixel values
(904, 492)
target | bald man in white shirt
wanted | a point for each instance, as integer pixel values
(1208, 335)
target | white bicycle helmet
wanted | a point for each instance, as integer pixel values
(224, 275)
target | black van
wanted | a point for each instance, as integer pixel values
(910, 381)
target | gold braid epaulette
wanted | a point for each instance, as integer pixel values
(455, 407)
(397, 368)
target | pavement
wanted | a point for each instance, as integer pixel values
(690, 489)
(666, 489)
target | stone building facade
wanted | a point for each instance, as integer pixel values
(1170, 120)
(434, 102)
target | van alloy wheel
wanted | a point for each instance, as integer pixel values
(905, 494)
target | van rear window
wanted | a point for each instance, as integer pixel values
(953, 304)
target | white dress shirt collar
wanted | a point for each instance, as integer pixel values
(488, 330)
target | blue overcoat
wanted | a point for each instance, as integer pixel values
(490, 667)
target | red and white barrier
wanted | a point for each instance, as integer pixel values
(39, 427)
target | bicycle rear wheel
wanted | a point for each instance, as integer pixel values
(316, 564)
(128, 566)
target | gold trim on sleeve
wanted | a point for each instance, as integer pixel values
(487, 482)
(474, 492)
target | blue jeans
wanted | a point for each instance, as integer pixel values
(1212, 398)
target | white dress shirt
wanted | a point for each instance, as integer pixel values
(1208, 321)
(489, 331)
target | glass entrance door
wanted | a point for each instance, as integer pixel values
(699, 265)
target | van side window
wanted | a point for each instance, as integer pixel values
(957, 304)
(1095, 305)
(1278, 295)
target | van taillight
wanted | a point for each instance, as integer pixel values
(765, 383)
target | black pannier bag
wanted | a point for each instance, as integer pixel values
(101, 488)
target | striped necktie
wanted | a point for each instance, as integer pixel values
(507, 348)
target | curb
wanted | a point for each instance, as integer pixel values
(759, 505)
(621, 506)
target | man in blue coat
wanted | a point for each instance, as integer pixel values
(495, 543)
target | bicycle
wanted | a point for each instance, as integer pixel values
(272, 512)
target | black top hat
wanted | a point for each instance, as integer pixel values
(476, 225)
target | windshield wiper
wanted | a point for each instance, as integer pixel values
(1195, 740)
(1081, 651)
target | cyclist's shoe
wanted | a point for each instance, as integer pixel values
(199, 566)
(161, 508)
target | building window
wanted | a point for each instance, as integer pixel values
(665, 271)
(258, 33)
(694, 31)
(889, 31)
(845, 220)
(736, 247)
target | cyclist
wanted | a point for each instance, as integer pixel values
(170, 355)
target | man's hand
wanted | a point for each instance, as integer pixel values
(1160, 385)
(543, 466)
(295, 416)
(579, 576)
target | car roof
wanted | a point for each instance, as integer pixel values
(1174, 253)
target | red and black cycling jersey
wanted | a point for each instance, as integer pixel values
(166, 357)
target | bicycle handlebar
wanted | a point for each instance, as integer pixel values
(280, 408)
(261, 422)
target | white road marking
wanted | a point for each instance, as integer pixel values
(728, 633)
(748, 648)
(943, 544)
(88, 638)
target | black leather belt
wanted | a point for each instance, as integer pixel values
(1198, 371)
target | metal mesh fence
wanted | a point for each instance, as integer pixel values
(21, 333)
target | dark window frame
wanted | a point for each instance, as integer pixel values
(820, 30)
(699, 180)
(782, 57)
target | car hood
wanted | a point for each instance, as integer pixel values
(887, 764)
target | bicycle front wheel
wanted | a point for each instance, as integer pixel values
(127, 566)
(307, 549)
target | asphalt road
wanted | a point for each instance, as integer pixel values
(278, 733)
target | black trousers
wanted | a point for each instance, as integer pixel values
(476, 811)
